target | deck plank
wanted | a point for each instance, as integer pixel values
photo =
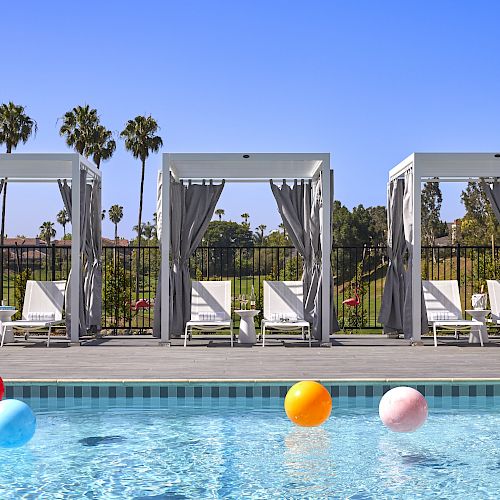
(351, 357)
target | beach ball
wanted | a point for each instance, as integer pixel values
(17, 423)
(308, 403)
(403, 409)
(2, 389)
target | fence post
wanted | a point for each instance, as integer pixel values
(458, 264)
(53, 261)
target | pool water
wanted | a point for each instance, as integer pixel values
(242, 451)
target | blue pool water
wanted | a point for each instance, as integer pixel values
(231, 450)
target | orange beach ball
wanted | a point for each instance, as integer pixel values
(308, 403)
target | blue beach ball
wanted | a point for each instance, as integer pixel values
(17, 423)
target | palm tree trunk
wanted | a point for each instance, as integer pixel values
(116, 233)
(138, 258)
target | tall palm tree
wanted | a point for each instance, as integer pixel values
(102, 146)
(220, 212)
(63, 219)
(79, 127)
(245, 217)
(282, 226)
(141, 139)
(15, 127)
(260, 233)
(47, 231)
(115, 214)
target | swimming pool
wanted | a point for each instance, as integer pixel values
(232, 442)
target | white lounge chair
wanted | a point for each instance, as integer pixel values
(444, 308)
(42, 308)
(210, 308)
(284, 308)
(494, 298)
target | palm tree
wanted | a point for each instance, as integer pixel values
(47, 231)
(282, 226)
(141, 140)
(115, 214)
(63, 219)
(103, 145)
(15, 127)
(80, 128)
(260, 233)
(149, 230)
(245, 217)
(220, 212)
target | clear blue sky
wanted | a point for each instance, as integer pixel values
(368, 81)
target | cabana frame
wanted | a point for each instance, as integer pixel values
(51, 167)
(438, 167)
(246, 167)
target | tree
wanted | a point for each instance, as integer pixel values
(378, 225)
(245, 216)
(47, 231)
(220, 212)
(479, 223)
(149, 230)
(63, 219)
(115, 214)
(432, 199)
(283, 228)
(260, 234)
(102, 146)
(83, 132)
(15, 127)
(141, 140)
(227, 234)
(79, 127)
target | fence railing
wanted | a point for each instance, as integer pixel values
(359, 269)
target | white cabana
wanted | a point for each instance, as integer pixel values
(410, 174)
(312, 185)
(80, 186)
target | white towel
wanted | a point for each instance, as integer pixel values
(41, 316)
(211, 316)
(285, 317)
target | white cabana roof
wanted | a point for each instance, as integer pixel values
(449, 167)
(245, 167)
(44, 167)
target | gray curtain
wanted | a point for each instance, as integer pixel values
(191, 209)
(408, 232)
(93, 282)
(392, 307)
(492, 192)
(300, 208)
(90, 254)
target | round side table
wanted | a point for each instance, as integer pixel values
(478, 315)
(6, 315)
(247, 326)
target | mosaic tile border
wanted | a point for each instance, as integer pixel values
(148, 391)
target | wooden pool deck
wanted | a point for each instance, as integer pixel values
(350, 358)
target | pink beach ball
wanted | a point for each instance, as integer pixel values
(403, 409)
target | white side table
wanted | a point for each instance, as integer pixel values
(478, 315)
(247, 326)
(6, 315)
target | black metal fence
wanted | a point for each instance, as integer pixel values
(357, 270)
